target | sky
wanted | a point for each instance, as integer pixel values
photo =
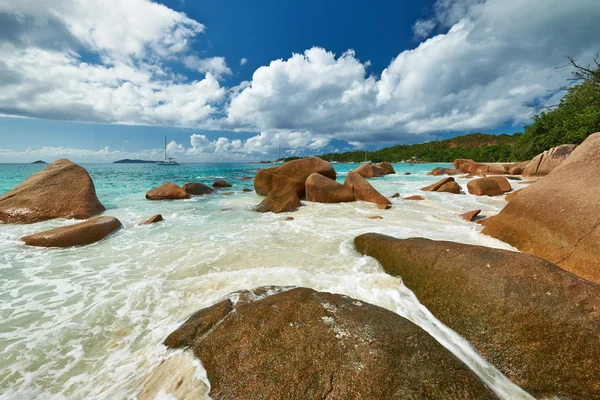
(239, 81)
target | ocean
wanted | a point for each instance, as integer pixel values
(88, 322)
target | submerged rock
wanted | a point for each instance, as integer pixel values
(321, 189)
(79, 234)
(558, 217)
(61, 190)
(302, 344)
(363, 190)
(547, 161)
(470, 216)
(154, 219)
(197, 189)
(292, 173)
(414, 197)
(537, 323)
(283, 199)
(484, 187)
(395, 195)
(167, 191)
(220, 183)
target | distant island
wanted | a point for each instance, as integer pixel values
(39, 162)
(129, 161)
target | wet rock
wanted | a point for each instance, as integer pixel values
(470, 216)
(537, 323)
(226, 193)
(303, 344)
(387, 167)
(375, 217)
(447, 185)
(363, 191)
(321, 189)
(503, 183)
(247, 190)
(282, 199)
(289, 219)
(246, 178)
(168, 191)
(395, 195)
(484, 187)
(220, 183)
(61, 190)
(292, 173)
(439, 171)
(370, 171)
(407, 173)
(79, 234)
(547, 161)
(512, 195)
(414, 197)
(558, 218)
(197, 189)
(153, 219)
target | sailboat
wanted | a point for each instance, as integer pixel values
(366, 161)
(168, 160)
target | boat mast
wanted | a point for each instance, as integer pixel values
(165, 147)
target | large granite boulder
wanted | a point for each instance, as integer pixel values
(363, 190)
(302, 344)
(197, 189)
(502, 182)
(537, 323)
(79, 234)
(321, 189)
(282, 199)
(61, 190)
(220, 183)
(387, 167)
(484, 187)
(293, 174)
(167, 191)
(446, 185)
(370, 171)
(547, 161)
(558, 217)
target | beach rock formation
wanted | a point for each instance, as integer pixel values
(484, 187)
(387, 167)
(302, 344)
(558, 217)
(61, 190)
(414, 197)
(512, 195)
(220, 183)
(292, 173)
(363, 190)
(515, 171)
(79, 234)
(486, 221)
(197, 189)
(537, 323)
(321, 189)
(282, 199)
(446, 185)
(502, 182)
(470, 216)
(370, 171)
(439, 171)
(547, 161)
(154, 219)
(167, 191)
(476, 168)
(395, 195)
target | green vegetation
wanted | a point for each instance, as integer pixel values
(571, 121)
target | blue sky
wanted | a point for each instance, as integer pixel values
(234, 80)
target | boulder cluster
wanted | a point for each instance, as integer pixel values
(314, 179)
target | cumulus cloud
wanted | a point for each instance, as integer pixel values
(127, 83)
(215, 65)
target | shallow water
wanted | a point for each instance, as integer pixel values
(88, 322)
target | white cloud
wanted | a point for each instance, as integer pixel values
(215, 65)
(243, 61)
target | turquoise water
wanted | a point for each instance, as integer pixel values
(88, 322)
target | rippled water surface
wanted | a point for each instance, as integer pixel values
(87, 322)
